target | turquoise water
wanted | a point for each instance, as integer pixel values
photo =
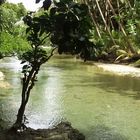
(100, 104)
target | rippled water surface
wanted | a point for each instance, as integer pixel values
(102, 105)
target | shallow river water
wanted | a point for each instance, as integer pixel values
(100, 104)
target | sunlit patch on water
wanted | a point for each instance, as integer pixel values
(11, 63)
(51, 90)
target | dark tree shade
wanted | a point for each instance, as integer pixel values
(37, 1)
(2, 1)
(47, 4)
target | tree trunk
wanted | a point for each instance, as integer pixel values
(28, 83)
(108, 30)
(130, 47)
(20, 114)
(93, 19)
(19, 124)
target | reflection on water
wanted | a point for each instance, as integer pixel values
(101, 105)
(47, 112)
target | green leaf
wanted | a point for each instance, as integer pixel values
(25, 67)
(28, 29)
(122, 1)
(37, 1)
(53, 11)
(23, 61)
(47, 4)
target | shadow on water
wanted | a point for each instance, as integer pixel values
(124, 85)
(101, 132)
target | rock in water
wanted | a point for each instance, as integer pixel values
(4, 84)
(1, 76)
(62, 131)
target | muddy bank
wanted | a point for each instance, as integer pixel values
(62, 131)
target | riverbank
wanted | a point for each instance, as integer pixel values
(120, 69)
(62, 131)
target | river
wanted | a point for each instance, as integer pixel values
(100, 104)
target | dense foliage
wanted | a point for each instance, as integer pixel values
(2, 1)
(12, 31)
(116, 27)
(67, 24)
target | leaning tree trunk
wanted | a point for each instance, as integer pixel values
(28, 83)
(19, 122)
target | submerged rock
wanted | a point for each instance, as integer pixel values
(1, 76)
(62, 131)
(4, 84)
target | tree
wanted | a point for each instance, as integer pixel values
(12, 35)
(9, 14)
(116, 24)
(2, 1)
(67, 24)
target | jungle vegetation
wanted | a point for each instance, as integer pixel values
(92, 29)
(116, 28)
(12, 30)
